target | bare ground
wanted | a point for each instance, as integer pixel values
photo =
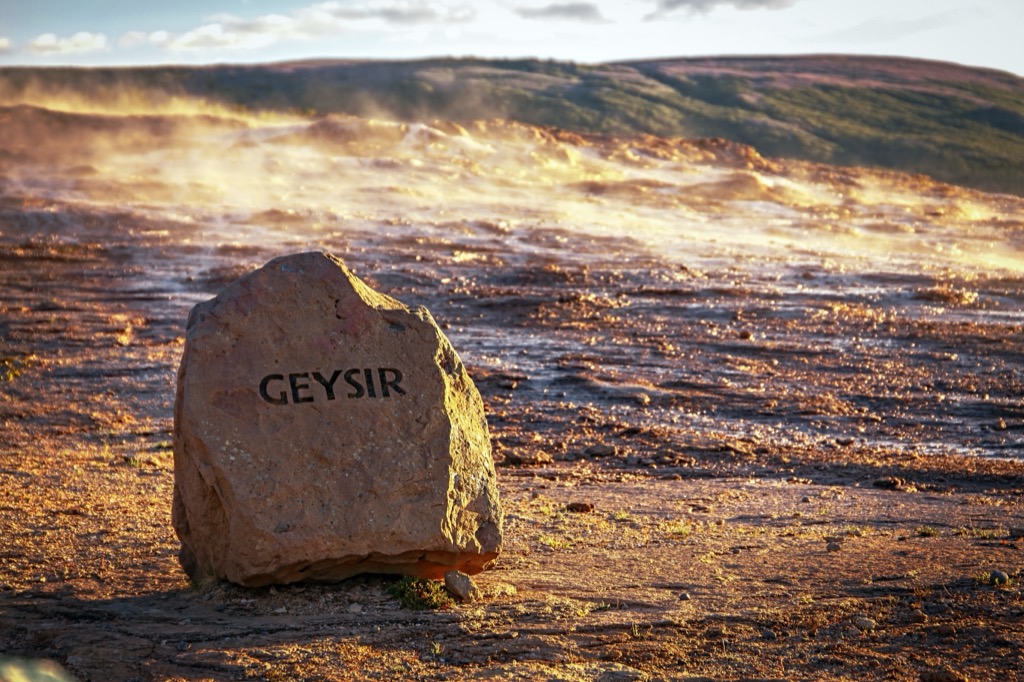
(799, 523)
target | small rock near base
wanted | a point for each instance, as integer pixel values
(461, 586)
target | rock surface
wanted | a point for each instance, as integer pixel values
(322, 430)
(462, 586)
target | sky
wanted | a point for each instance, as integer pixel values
(982, 33)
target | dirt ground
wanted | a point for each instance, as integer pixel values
(745, 502)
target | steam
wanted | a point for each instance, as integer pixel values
(271, 179)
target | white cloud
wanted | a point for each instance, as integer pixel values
(133, 39)
(80, 43)
(228, 31)
(578, 11)
(5, 45)
(704, 6)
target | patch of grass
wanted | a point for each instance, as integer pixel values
(980, 533)
(926, 532)
(680, 529)
(421, 594)
(554, 542)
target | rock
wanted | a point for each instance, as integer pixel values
(833, 546)
(864, 624)
(462, 587)
(998, 578)
(601, 450)
(321, 430)
(918, 616)
(580, 507)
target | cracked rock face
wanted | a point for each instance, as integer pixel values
(323, 429)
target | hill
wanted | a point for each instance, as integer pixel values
(957, 124)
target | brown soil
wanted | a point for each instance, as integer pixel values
(790, 478)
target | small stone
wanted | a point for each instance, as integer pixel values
(461, 586)
(601, 450)
(1017, 533)
(580, 507)
(890, 483)
(684, 596)
(282, 610)
(355, 607)
(769, 634)
(945, 630)
(833, 546)
(918, 616)
(864, 624)
(998, 578)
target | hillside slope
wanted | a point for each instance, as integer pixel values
(958, 124)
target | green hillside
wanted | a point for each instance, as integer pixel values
(955, 123)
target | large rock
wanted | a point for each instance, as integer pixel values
(323, 429)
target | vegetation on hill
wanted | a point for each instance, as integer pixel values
(955, 123)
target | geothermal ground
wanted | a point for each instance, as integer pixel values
(752, 419)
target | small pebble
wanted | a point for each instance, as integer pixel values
(283, 609)
(601, 450)
(685, 596)
(998, 578)
(946, 630)
(579, 507)
(864, 624)
(918, 616)
(833, 547)
(461, 586)
(769, 634)
(355, 607)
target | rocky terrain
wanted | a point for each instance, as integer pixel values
(753, 418)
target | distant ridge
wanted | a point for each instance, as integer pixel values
(958, 124)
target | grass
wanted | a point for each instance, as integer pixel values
(554, 542)
(421, 594)
(926, 532)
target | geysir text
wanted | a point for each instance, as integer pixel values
(307, 387)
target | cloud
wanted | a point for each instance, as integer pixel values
(227, 31)
(5, 45)
(80, 43)
(704, 6)
(578, 11)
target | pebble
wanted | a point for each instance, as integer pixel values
(579, 507)
(281, 610)
(685, 596)
(833, 547)
(769, 634)
(864, 624)
(355, 607)
(918, 616)
(462, 586)
(946, 630)
(601, 450)
(998, 578)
